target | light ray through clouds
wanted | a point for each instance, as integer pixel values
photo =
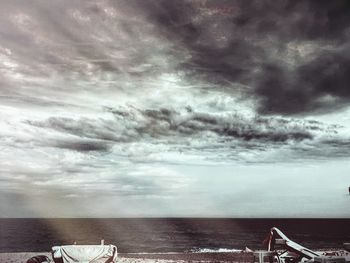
(155, 105)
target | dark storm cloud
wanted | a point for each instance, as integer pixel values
(290, 56)
(320, 84)
(83, 146)
(249, 42)
(235, 126)
(136, 124)
(234, 134)
(149, 135)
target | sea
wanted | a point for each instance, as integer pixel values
(167, 235)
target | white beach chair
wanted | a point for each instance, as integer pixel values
(84, 254)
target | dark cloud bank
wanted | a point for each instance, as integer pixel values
(291, 57)
(248, 42)
(159, 123)
(288, 57)
(188, 131)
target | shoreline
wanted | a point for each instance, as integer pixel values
(237, 257)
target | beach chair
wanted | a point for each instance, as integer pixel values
(288, 251)
(84, 254)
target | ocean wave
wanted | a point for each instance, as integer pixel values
(214, 250)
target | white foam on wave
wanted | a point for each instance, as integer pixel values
(151, 253)
(216, 250)
(195, 250)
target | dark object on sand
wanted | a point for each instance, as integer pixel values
(39, 259)
(347, 246)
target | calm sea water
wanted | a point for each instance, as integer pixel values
(168, 235)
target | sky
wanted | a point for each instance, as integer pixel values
(188, 108)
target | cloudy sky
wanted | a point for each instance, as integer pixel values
(174, 108)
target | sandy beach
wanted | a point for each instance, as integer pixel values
(22, 257)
